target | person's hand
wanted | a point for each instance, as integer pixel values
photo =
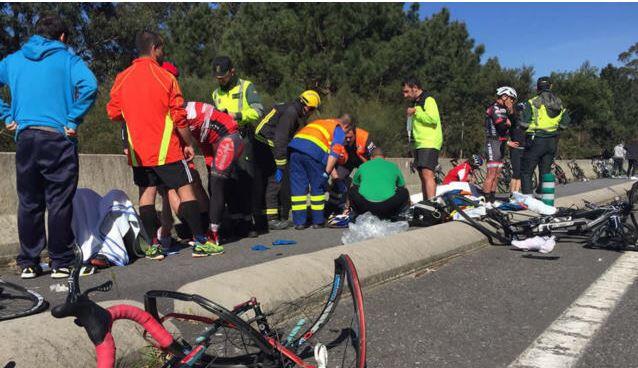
(189, 153)
(513, 144)
(325, 177)
(70, 132)
(508, 123)
(11, 127)
(125, 150)
(279, 175)
(410, 111)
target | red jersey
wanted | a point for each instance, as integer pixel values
(150, 101)
(460, 173)
(208, 125)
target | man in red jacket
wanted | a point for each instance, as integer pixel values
(149, 100)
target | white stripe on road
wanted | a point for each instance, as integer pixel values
(565, 340)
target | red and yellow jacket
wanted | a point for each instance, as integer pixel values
(150, 101)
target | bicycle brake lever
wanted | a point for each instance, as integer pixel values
(103, 288)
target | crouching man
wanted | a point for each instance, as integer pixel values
(379, 188)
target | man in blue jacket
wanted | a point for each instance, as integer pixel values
(51, 90)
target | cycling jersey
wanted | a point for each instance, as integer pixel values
(496, 122)
(208, 125)
(461, 172)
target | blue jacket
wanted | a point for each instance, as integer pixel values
(49, 86)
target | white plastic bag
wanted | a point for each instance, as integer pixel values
(369, 226)
(534, 204)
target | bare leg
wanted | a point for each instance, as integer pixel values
(428, 183)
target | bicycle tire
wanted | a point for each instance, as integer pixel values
(16, 301)
(560, 174)
(605, 237)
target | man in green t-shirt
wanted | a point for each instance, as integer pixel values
(378, 187)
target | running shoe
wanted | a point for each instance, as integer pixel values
(60, 273)
(31, 272)
(207, 249)
(154, 252)
(100, 261)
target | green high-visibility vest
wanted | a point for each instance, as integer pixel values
(542, 121)
(233, 100)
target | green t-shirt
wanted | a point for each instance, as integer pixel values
(378, 179)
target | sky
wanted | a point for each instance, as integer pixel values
(548, 36)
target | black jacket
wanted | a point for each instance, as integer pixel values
(279, 126)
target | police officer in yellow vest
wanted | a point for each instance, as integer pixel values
(543, 117)
(239, 98)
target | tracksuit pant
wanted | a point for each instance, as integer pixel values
(385, 210)
(46, 178)
(540, 151)
(276, 196)
(618, 163)
(305, 172)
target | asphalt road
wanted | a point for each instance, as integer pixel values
(132, 281)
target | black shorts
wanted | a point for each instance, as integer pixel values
(426, 158)
(173, 176)
(495, 152)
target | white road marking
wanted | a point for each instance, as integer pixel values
(565, 340)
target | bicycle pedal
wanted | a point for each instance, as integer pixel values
(321, 355)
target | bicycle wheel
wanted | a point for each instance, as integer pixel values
(16, 301)
(607, 237)
(479, 176)
(560, 174)
(339, 326)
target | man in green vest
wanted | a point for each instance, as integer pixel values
(424, 131)
(543, 117)
(239, 98)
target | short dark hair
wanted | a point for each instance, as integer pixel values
(411, 82)
(377, 152)
(51, 27)
(349, 119)
(146, 40)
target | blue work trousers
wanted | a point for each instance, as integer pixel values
(306, 171)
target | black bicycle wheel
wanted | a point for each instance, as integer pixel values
(605, 236)
(16, 301)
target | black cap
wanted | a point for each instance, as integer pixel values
(221, 66)
(543, 84)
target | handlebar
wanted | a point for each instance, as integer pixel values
(97, 321)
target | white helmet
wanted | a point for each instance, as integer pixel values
(506, 91)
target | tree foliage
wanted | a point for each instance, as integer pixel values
(354, 54)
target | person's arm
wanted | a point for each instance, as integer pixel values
(500, 120)
(356, 179)
(114, 106)
(284, 129)
(254, 111)
(85, 91)
(5, 109)
(337, 146)
(526, 115)
(178, 115)
(428, 114)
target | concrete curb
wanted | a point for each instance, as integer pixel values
(272, 283)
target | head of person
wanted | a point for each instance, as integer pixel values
(506, 96)
(377, 153)
(171, 68)
(351, 134)
(150, 44)
(52, 27)
(411, 88)
(475, 161)
(347, 123)
(543, 84)
(310, 100)
(223, 70)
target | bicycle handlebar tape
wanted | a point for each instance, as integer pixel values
(548, 188)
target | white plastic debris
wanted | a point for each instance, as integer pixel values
(59, 288)
(369, 226)
(534, 204)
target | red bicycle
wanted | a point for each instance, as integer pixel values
(241, 337)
